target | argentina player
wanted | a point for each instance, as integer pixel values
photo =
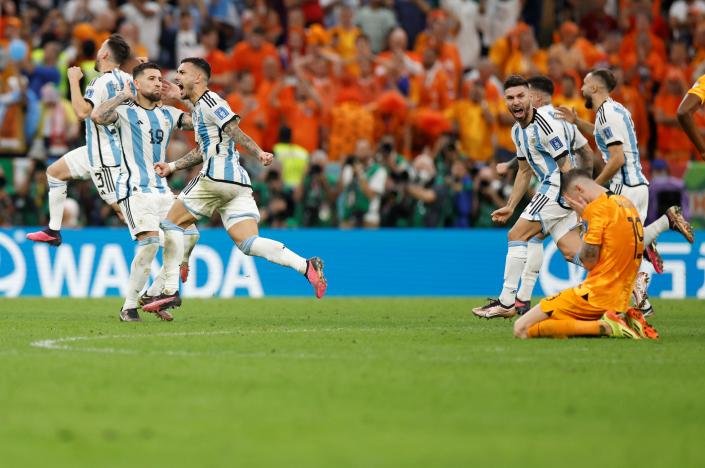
(223, 185)
(544, 151)
(616, 140)
(144, 128)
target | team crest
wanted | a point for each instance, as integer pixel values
(221, 113)
(532, 140)
(556, 143)
(89, 92)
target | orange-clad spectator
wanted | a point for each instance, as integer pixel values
(679, 59)
(132, 36)
(302, 114)
(392, 118)
(367, 84)
(596, 22)
(501, 50)
(644, 65)
(642, 26)
(250, 53)
(672, 142)
(272, 87)
(567, 49)
(221, 76)
(527, 58)
(344, 35)
(474, 122)
(570, 98)
(350, 122)
(698, 45)
(503, 120)
(311, 9)
(631, 99)
(609, 50)
(252, 111)
(397, 58)
(268, 18)
(295, 46)
(437, 37)
(430, 89)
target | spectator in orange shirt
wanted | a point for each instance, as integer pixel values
(474, 122)
(635, 103)
(345, 34)
(350, 122)
(567, 50)
(392, 118)
(527, 58)
(430, 89)
(221, 77)
(367, 84)
(699, 45)
(679, 59)
(245, 103)
(272, 87)
(570, 98)
(448, 55)
(250, 53)
(302, 114)
(671, 143)
(644, 66)
(396, 56)
(642, 26)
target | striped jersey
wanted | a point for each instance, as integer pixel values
(572, 134)
(144, 136)
(613, 126)
(543, 143)
(221, 161)
(102, 140)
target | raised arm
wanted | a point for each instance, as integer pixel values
(81, 107)
(105, 113)
(233, 130)
(190, 159)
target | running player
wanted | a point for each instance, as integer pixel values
(144, 129)
(542, 149)
(222, 185)
(616, 139)
(100, 158)
(692, 101)
(612, 252)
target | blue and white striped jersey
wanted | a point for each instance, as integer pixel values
(543, 144)
(572, 134)
(102, 140)
(144, 135)
(221, 160)
(613, 126)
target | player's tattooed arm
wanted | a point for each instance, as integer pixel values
(233, 130)
(186, 122)
(105, 113)
(589, 255)
(190, 159)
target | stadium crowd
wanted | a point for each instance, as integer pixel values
(380, 113)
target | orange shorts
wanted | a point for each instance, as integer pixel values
(568, 304)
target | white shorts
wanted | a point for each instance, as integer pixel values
(638, 195)
(103, 177)
(144, 211)
(555, 219)
(202, 196)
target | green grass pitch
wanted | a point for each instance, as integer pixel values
(340, 383)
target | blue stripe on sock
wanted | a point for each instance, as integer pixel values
(148, 240)
(246, 245)
(535, 240)
(191, 232)
(518, 243)
(169, 226)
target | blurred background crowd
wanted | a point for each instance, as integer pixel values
(381, 113)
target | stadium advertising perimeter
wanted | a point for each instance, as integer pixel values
(95, 262)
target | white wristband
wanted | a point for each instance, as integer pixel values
(172, 166)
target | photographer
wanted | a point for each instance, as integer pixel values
(362, 182)
(396, 208)
(430, 195)
(315, 196)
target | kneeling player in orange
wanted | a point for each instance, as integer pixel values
(612, 249)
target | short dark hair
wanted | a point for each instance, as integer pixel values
(142, 67)
(607, 77)
(542, 83)
(568, 178)
(515, 80)
(200, 63)
(119, 48)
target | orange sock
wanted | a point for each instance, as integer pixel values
(565, 328)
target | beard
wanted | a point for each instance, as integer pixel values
(153, 97)
(588, 102)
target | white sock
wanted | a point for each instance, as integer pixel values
(514, 265)
(57, 197)
(173, 254)
(191, 236)
(652, 231)
(139, 272)
(534, 260)
(273, 251)
(158, 285)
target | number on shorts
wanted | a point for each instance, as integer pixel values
(101, 180)
(156, 136)
(638, 235)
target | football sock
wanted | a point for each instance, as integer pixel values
(139, 271)
(513, 266)
(191, 236)
(534, 260)
(173, 254)
(652, 231)
(274, 251)
(565, 328)
(57, 197)
(158, 285)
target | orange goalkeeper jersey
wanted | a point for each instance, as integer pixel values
(612, 223)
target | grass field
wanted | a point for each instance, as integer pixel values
(338, 383)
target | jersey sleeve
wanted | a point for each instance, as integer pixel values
(555, 144)
(579, 141)
(517, 145)
(96, 91)
(176, 116)
(698, 89)
(596, 214)
(217, 110)
(614, 130)
(121, 112)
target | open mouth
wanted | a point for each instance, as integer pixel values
(518, 112)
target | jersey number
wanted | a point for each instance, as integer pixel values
(156, 136)
(638, 235)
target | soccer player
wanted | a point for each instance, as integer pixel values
(692, 101)
(100, 158)
(581, 156)
(616, 139)
(543, 150)
(144, 129)
(612, 249)
(222, 185)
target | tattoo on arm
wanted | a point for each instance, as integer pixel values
(186, 122)
(589, 255)
(241, 138)
(190, 159)
(105, 113)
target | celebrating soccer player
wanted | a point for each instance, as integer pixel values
(222, 185)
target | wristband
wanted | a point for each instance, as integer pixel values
(172, 166)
